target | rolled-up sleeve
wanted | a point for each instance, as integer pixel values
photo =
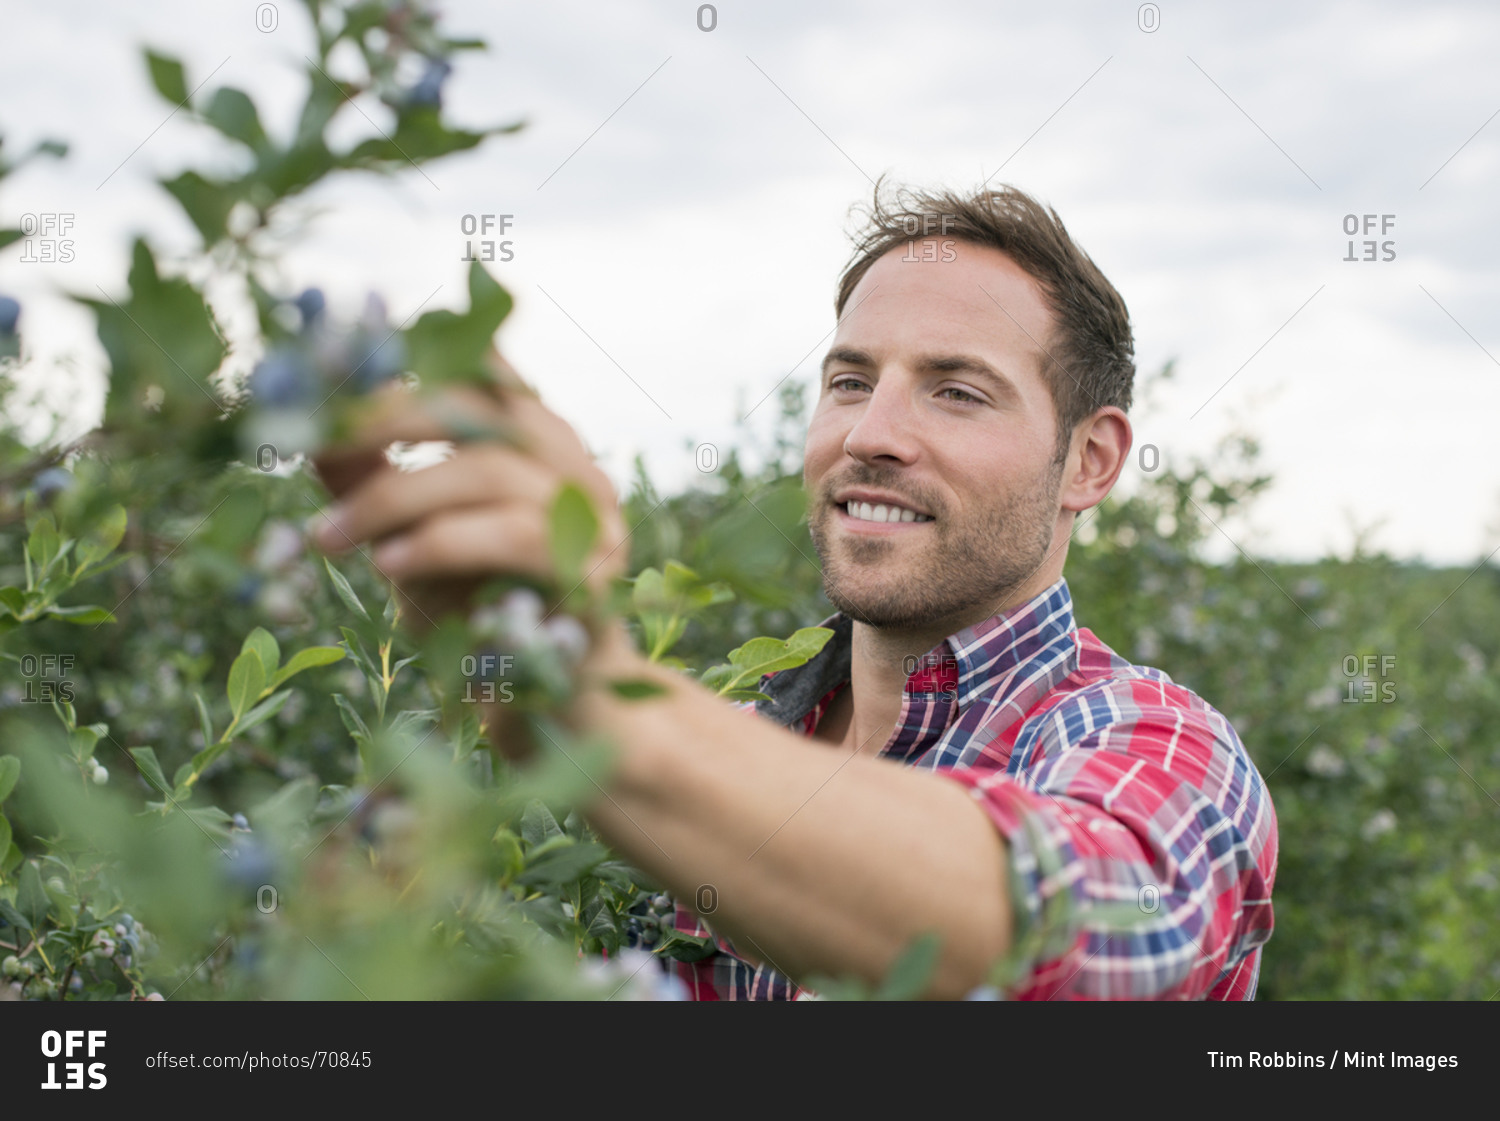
(1141, 853)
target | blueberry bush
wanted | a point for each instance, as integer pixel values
(230, 770)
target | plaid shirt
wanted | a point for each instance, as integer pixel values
(1141, 838)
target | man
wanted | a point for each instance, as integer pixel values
(960, 759)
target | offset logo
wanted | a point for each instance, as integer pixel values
(66, 1045)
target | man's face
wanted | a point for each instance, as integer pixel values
(932, 399)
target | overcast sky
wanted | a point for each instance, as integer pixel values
(680, 205)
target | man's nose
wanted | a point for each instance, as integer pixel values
(885, 429)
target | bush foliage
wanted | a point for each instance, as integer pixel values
(226, 770)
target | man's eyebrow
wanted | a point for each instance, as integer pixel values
(847, 355)
(930, 364)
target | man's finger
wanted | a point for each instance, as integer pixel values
(390, 500)
(505, 540)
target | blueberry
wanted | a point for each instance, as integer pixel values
(10, 312)
(54, 480)
(241, 822)
(250, 865)
(377, 361)
(428, 91)
(247, 589)
(282, 377)
(311, 305)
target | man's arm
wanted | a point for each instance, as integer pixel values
(823, 862)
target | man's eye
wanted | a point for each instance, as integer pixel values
(845, 383)
(963, 393)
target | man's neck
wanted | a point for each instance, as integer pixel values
(864, 716)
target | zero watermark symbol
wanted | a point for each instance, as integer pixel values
(45, 680)
(706, 456)
(1148, 18)
(1155, 458)
(44, 238)
(266, 898)
(266, 457)
(472, 224)
(706, 899)
(1366, 223)
(713, 15)
(1149, 899)
(68, 1044)
(1361, 671)
(266, 18)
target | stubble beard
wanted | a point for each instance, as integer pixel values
(963, 567)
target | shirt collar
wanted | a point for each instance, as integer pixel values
(981, 653)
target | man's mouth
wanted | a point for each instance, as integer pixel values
(880, 513)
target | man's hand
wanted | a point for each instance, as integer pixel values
(443, 531)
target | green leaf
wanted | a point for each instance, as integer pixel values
(538, 824)
(761, 656)
(167, 77)
(206, 203)
(745, 695)
(263, 642)
(561, 864)
(247, 678)
(307, 659)
(287, 809)
(235, 521)
(263, 711)
(32, 900)
(913, 970)
(352, 720)
(82, 741)
(233, 113)
(574, 529)
(10, 771)
(103, 539)
(82, 615)
(44, 544)
(208, 756)
(10, 858)
(5, 834)
(181, 775)
(13, 916)
(345, 592)
(172, 310)
(203, 721)
(145, 759)
(445, 346)
(13, 599)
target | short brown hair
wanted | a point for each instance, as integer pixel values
(1092, 355)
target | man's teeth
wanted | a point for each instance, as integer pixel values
(864, 511)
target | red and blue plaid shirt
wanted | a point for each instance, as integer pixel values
(1141, 838)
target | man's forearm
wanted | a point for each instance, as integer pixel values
(823, 863)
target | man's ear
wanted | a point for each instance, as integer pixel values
(1100, 446)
